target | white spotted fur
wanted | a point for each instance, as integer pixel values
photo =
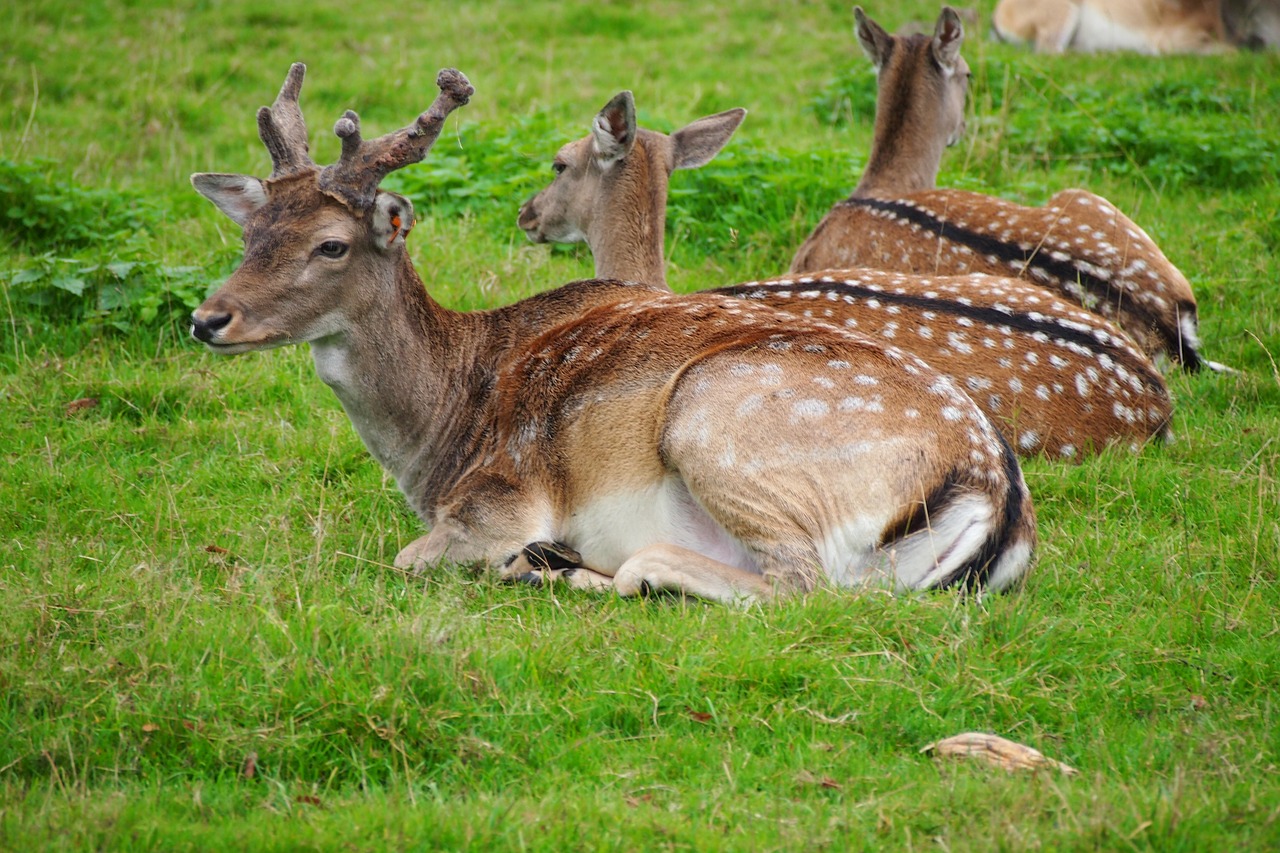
(1050, 389)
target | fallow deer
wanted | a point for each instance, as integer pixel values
(700, 444)
(1077, 244)
(1145, 26)
(1055, 379)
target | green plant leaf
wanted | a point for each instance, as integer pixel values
(28, 275)
(70, 283)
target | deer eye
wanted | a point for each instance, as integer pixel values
(559, 167)
(332, 248)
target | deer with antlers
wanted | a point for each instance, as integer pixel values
(1055, 379)
(700, 444)
(1078, 244)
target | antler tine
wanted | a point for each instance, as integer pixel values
(282, 128)
(364, 163)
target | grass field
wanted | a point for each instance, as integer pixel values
(203, 644)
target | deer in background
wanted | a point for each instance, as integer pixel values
(1146, 26)
(1055, 379)
(1078, 244)
(700, 444)
(611, 189)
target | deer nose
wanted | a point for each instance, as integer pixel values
(204, 328)
(528, 216)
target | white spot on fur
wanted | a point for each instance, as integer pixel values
(809, 409)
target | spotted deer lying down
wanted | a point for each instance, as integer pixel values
(1055, 379)
(701, 444)
(1077, 244)
(1144, 26)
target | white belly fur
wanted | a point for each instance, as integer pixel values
(1099, 32)
(610, 529)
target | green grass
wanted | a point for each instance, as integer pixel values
(195, 569)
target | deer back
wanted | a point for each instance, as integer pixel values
(1055, 379)
(1078, 244)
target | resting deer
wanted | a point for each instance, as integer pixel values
(699, 444)
(1145, 26)
(1054, 378)
(1078, 244)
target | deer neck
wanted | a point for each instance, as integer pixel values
(626, 237)
(411, 376)
(905, 155)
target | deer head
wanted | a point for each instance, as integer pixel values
(923, 83)
(614, 181)
(309, 231)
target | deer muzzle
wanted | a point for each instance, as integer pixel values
(530, 222)
(205, 325)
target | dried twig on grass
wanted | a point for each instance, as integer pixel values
(998, 751)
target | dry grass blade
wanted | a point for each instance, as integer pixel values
(998, 751)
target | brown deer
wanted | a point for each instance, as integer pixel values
(1153, 27)
(1077, 244)
(1055, 379)
(700, 444)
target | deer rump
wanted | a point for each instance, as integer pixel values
(775, 447)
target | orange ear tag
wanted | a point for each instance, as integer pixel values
(395, 224)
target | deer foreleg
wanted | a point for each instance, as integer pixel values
(485, 520)
(676, 569)
(444, 542)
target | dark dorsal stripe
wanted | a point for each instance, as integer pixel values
(1064, 271)
(1016, 320)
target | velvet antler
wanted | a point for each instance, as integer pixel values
(364, 163)
(283, 130)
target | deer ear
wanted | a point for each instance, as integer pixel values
(392, 219)
(947, 36)
(695, 144)
(613, 131)
(875, 42)
(238, 196)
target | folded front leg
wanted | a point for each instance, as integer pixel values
(483, 520)
(676, 569)
(417, 555)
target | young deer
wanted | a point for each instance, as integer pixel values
(1078, 244)
(700, 444)
(1055, 379)
(610, 190)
